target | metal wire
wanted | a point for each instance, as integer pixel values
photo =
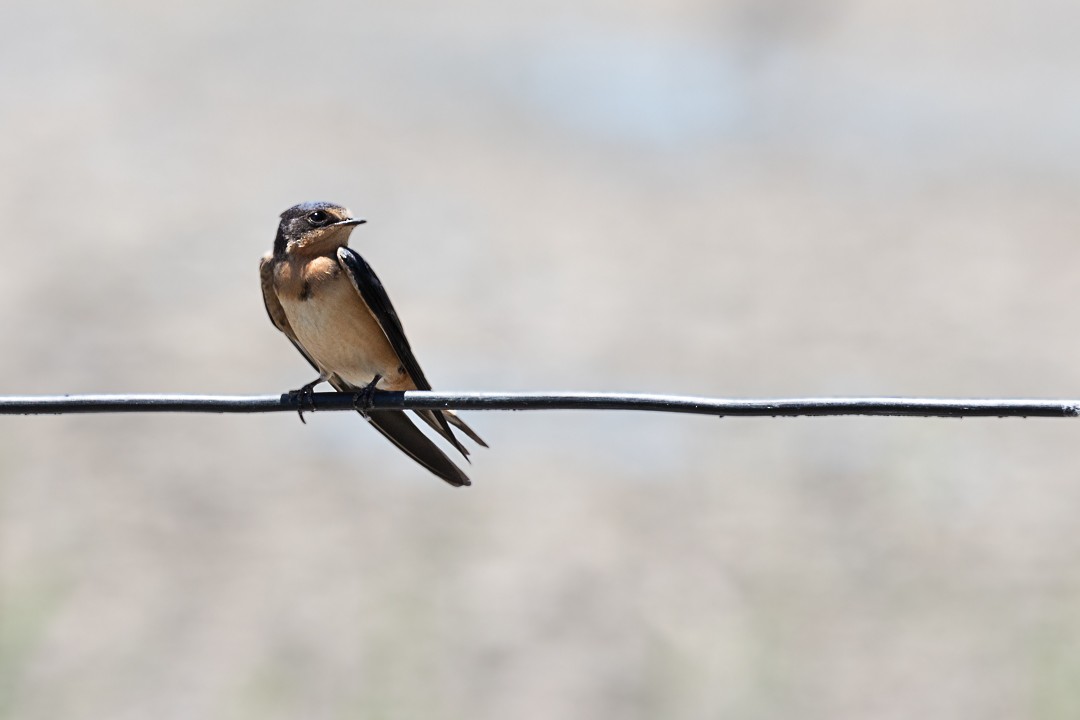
(922, 407)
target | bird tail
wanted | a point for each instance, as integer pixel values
(441, 420)
(457, 422)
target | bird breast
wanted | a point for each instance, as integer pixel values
(335, 327)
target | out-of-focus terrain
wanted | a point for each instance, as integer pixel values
(727, 198)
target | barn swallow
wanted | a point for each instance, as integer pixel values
(331, 305)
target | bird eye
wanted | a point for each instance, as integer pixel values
(318, 218)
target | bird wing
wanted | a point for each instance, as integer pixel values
(396, 427)
(372, 292)
(371, 289)
(274, 308)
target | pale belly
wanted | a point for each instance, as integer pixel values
(343, 338)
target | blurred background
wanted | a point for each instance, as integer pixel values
(732, 198)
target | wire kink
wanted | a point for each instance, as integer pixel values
(417, 400)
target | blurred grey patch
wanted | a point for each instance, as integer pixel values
(626, 87)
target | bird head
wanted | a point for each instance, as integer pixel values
(314, 227)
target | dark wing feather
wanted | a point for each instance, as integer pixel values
(396, 427)
(374, 294)
(371, 289)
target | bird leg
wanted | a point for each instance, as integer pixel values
(307, 393)
(364, 396)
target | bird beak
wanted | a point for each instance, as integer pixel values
(351, 221)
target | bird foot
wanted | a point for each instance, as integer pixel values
(363, 397)
(306, 393)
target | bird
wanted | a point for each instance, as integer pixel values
(328, 301)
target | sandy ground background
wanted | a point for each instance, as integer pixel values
(727, 198)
